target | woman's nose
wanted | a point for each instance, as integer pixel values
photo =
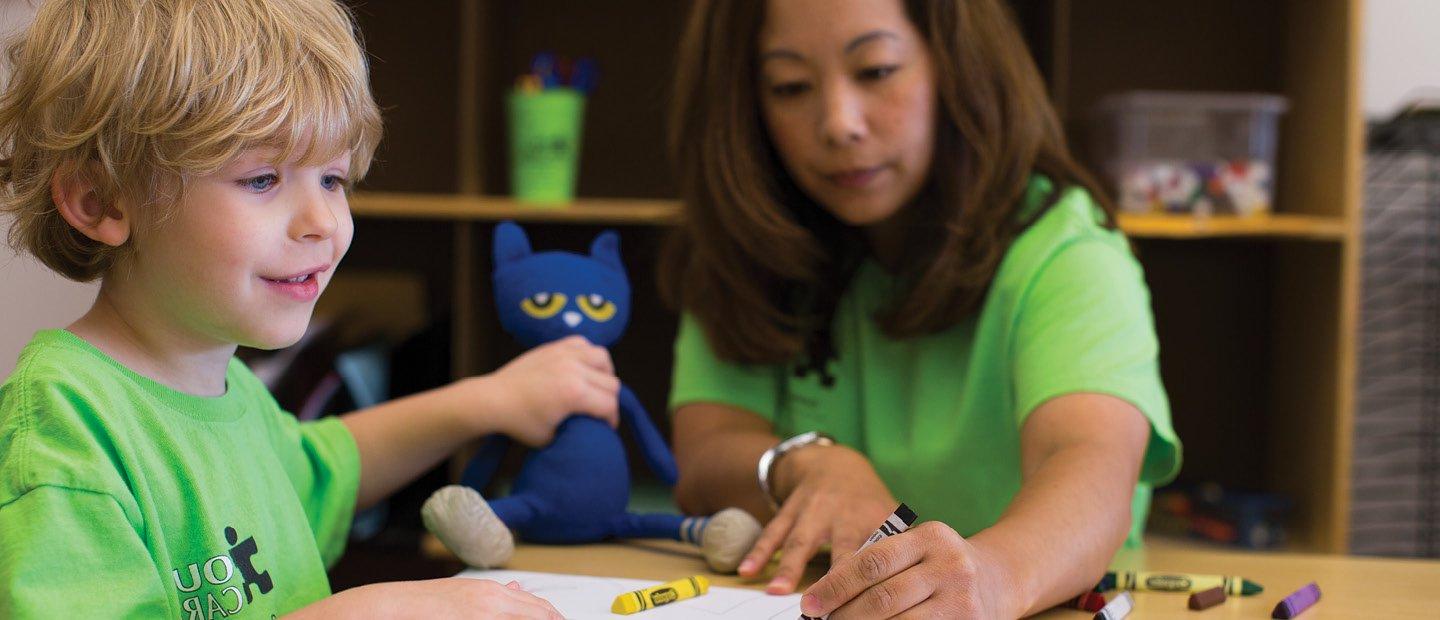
(842, 117)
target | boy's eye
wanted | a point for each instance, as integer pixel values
(260, 183)
(878, 73)
(788, 89)
(332, 182)
(543, 305)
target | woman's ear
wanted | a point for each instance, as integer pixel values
(79, 202)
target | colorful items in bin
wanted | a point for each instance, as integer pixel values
(546, 113)
(1208, 511)
(1183, 152)
(1240, 187)
(549, 71)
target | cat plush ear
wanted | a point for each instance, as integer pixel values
(510, 243)
(606, 249)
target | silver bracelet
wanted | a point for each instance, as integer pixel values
(772, 456)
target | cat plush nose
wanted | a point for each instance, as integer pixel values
(571, 318)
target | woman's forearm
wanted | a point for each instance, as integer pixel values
(1062, 529)
(1073, 510)
(716, 449)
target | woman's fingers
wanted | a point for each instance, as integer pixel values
(891, 597)
(860, 571)
(770, 538)
(804, 539)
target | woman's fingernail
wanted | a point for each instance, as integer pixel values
(779, 584)
(747, 566)
(810, 605)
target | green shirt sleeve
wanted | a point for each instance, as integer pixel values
(326, 479)
(67, 553)
(700, 376)
(1084, 325)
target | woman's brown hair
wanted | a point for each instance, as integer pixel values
(761, 267)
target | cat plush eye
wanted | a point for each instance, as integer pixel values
(597, 307)
(543, 305)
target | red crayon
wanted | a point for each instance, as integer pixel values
(1089, 601)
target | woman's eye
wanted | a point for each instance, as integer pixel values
(333, 182)
(789, 89)
(260, 183)
(878, 73)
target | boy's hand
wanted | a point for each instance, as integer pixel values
(549, 383)
(456, 597)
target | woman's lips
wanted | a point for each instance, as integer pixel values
(856, 178)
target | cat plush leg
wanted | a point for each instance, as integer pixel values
(461, 519)
(723, 538)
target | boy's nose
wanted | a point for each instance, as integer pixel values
(317, 220)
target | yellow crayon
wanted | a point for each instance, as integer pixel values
(655, 596)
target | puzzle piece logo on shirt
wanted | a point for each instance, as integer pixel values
(220, 572)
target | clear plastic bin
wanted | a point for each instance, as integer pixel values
(1189, 152)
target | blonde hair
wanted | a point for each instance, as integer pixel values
(140, 95)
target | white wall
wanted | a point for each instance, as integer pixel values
(31, 296)
(1401, 54)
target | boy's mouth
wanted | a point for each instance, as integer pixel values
(303, 286)
(299, 276)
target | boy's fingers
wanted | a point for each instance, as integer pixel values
(598, 358)
(603, 405)
(609, 384)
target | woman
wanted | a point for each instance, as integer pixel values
(886, 241)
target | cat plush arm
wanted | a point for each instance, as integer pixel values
(656, 451)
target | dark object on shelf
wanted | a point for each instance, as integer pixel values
(1249, 519)
(1395, 508)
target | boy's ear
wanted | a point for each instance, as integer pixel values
(79, 202)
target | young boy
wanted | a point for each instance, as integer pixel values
(195, 156)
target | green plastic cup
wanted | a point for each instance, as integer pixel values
(545, 144)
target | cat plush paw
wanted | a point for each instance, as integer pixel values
(463, 520)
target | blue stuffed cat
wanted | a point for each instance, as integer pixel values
(575, 490)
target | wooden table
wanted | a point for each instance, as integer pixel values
(1351, 587)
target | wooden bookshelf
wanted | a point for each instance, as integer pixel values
(1256, 315)
(654, 212)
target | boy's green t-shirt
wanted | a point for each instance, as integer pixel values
(121, 497)
(940, 416)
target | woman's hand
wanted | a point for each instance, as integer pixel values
(832, 494)
(927, 572)
(456, 597)
(550, 383)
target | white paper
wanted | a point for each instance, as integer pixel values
(581, 597)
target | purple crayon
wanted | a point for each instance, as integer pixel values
(1297, 602)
